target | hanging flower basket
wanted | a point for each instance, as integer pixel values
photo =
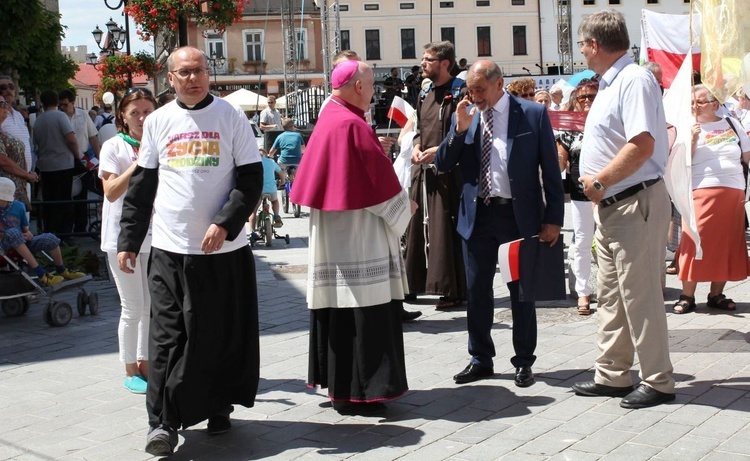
(162, 16)
(114, 71)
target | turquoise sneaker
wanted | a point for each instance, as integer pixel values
(135, 384)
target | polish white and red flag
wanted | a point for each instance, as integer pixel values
(665, 40)
(508, 258)
(400, 111)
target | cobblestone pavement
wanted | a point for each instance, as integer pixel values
(61, 394)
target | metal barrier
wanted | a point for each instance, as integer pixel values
(93, 216)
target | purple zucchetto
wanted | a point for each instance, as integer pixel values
(343, 72)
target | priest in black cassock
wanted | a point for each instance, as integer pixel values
(200, 173)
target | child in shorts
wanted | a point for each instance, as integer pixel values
(270, 168)
(15, 235)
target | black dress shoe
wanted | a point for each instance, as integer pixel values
(472, 373)
(410, 297)
(220, 422)
(645, 396)
(592, 389)
(524, 376)
(407, 316)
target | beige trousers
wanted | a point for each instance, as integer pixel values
(630, 249)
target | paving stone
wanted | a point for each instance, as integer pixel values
(631, 451)
(603, 441)
(689, 448)
(61, 393)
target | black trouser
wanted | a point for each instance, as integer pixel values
(57, 185)
(203, 336)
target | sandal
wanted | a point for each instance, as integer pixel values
(684, 305)
(672, 268)
(721, 302)
(584, 308)
(445, 303)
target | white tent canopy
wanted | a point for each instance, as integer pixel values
(247, 100)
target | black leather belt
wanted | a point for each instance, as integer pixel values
(498, 200)
(629, 192)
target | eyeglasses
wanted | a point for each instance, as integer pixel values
(527, 95)
(580, 43)
(134, 90)
(430, 59)
(586, 97)
(701, 103)
(8, 86)
(186, 73)
(3, 103)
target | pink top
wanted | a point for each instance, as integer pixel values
(344, 166)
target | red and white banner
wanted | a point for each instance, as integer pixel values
(665, 39)
(400, 111)
(509, 261)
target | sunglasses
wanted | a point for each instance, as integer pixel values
(8, 86)
(145, 91)
(430, 59)
(586, 97)
(185, 73)
(527, 95)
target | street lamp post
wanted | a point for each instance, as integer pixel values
(216, 62)
(636, 52)
(114, 41)
(117, 37)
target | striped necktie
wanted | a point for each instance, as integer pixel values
(486, 173)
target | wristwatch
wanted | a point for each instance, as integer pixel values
(598, 185)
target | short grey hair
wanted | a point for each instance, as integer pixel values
(490, 71)
(710, 96)
(608, 29)
(651, 66)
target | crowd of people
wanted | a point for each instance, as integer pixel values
(486, 170)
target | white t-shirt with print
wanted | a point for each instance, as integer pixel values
(716, 162)
(116, 156)
(196, 152)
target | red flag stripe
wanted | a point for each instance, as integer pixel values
(670, 63)
(397, 116)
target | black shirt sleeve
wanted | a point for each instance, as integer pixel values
(242, 199)
(137, 207)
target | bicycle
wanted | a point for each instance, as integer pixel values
(291, 170)
(264, 224)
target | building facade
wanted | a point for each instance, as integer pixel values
(254, 49)
(554, 42)
(392, 33)
(75, 53)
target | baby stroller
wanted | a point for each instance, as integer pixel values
(17, 287)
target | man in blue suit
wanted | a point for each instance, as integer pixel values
(501, 144)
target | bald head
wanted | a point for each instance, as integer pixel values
(359, 89)
(485, 83)
(188, 74)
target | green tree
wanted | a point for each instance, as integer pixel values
(30, 49)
